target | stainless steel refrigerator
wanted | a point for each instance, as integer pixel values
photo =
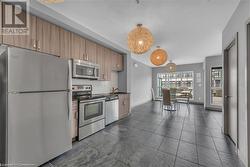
(35, 106)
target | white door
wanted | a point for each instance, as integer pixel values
(232, 93)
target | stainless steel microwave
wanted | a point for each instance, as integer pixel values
(85, 70)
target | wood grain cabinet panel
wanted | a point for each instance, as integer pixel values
(24, 41)
(124, 105)
(120, 64)
(117, 61)
(83, 55)
(76, 47)
(91, 51)
(113, 60)
(48, 37)
(107, 64)
(65, 44)
(1, 37)
(74, 121)
(100, 59)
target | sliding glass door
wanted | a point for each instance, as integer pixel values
(183, 79)
(216, 86)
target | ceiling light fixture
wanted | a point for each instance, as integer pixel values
(140, 40)
(159, 56)
(171, 66)
(52, 1)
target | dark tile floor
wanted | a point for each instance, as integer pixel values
(152, 138)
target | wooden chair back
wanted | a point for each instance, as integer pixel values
(166, 97)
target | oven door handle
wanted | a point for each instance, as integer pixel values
(93, 101)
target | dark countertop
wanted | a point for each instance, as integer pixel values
(96, 96)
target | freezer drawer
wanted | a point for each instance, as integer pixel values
(38, 127)
(34, 71)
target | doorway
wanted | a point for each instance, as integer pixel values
(231, 90)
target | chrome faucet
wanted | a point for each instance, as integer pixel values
(114, 90)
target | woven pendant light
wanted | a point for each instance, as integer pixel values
(171, 67)
(140, 40)
(159, 57)
(52, 1)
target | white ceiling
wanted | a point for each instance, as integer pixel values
(189, 30)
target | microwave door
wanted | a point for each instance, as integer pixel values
(84, 71)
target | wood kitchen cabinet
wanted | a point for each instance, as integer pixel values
(24, 41)
(117, 61)
(103, 58)
(91, 51)
(51, 39)
(48, 37)
(101, 61)
(124, 105)
(77, 47)
(107, 64)
(1, 37)
(65, 44)
(74, 120)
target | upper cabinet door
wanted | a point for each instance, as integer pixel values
(117, 61)
(1, 37)
(113, 61)
(83, 55)
(119, 65)
(101, 61)
(48, 38)
(75, 46)
(91, 51)
(24, 41)
(65, 44)
(108, 64)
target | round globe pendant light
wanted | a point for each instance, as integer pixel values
(140, 40)
(171, 67)
(159, 57)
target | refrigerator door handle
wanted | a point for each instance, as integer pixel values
(69, 94)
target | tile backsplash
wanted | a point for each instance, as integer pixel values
(99, 86)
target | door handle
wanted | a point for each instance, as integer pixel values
(228, 96)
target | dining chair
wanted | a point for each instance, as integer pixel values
(184, 96)
(168, 101)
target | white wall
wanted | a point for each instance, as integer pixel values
(141, 84)
(236, 24)
(99, 87)
(211, 61)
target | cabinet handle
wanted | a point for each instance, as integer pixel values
(124, 103)
(38, 45)
(117, 65)
(87, 57)
(34, 44)
(76, 115)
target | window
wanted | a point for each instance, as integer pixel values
(216, 86)
(184, 79)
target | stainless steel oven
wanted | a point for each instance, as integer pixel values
(91, 117)
(91, 111)
(84, 69)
